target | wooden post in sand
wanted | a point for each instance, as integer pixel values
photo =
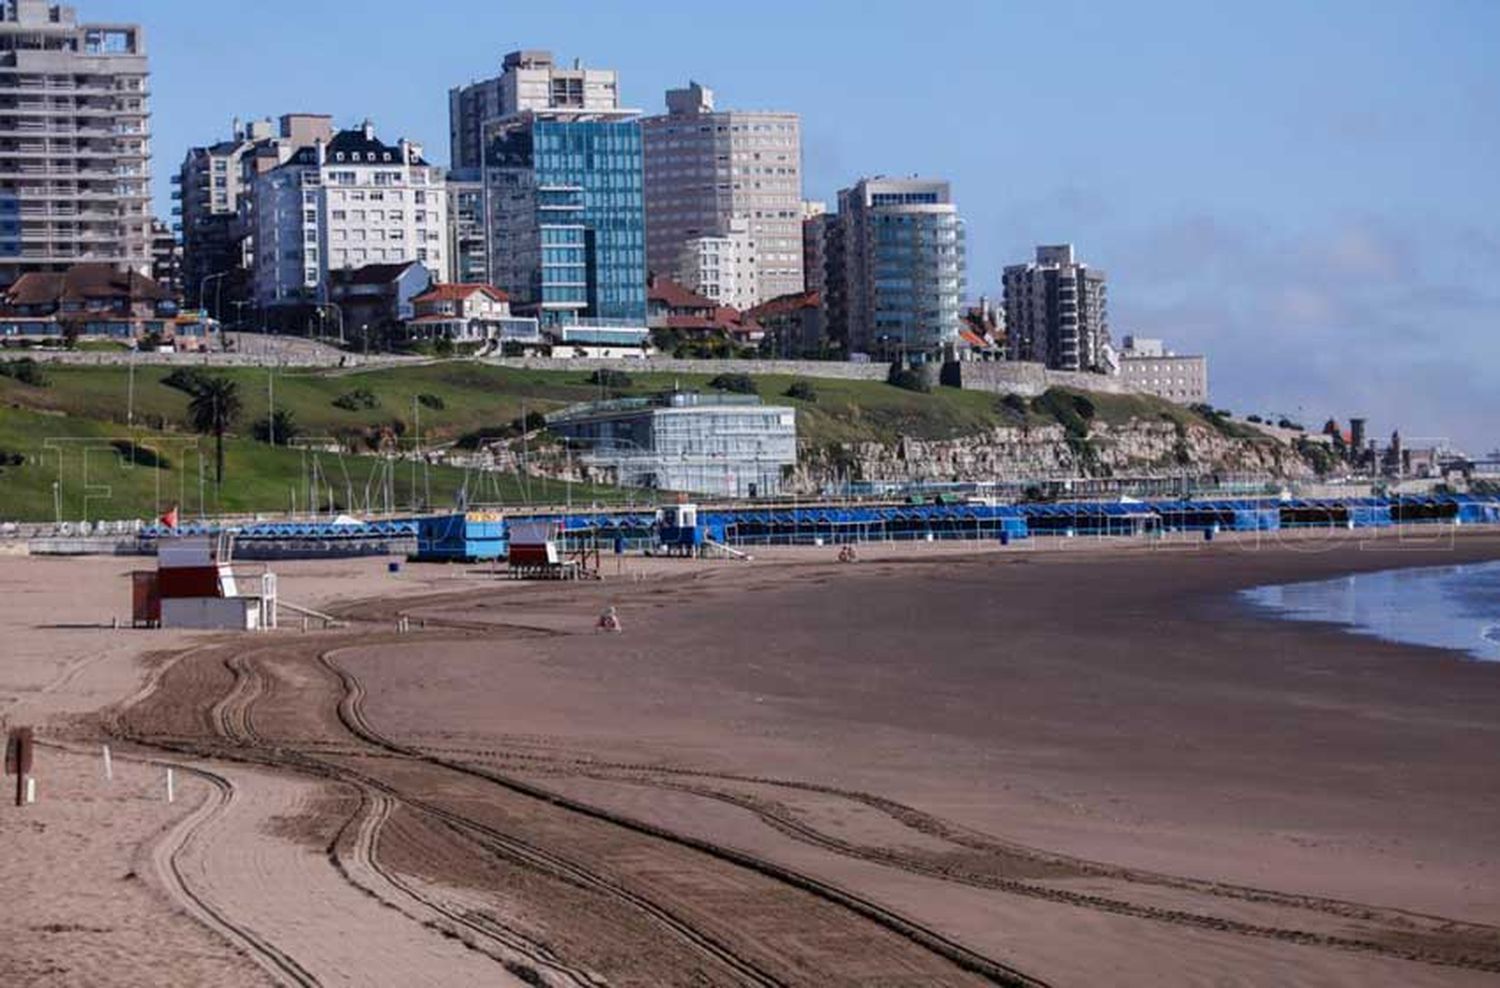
(109, 767)
(18, 756)
(171, 787)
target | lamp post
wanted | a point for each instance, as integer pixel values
(203, 290)
(239, 315)
(338, 315)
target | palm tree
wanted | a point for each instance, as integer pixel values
(212, 410)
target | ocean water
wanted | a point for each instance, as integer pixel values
(1452, 607)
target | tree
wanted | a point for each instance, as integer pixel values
(279, 429)
(213, 408)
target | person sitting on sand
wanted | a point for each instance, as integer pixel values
(610, 621)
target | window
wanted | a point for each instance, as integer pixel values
(338, 214)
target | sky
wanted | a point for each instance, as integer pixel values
(1307, 193)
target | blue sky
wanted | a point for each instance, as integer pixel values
(1308, 194)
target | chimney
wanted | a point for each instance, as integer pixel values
(368, 128)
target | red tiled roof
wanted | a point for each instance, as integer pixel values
(83, 281)
(783, 304)
(675, 296)
(973, 339)
(458, 291)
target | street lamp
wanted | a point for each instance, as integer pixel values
(239, 315)
(338, 315)
(203, 290)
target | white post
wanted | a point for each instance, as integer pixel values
(30, 789)
(171, 787)
(109, 766)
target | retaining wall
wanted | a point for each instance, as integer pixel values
(1028, 380)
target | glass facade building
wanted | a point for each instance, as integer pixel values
(567, 217)
(720, 445)
(897, 279)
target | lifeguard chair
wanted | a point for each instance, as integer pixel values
(677, 530)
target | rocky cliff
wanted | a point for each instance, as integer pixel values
(1138, 448)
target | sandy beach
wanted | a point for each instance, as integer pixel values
(1057, 763)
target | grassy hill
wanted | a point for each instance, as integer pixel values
(74, 429)
(482, 398)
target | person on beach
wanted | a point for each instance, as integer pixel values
(610, 621)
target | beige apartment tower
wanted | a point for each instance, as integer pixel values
(75, 144)
(708, 168)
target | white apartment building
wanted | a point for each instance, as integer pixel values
(75, 143)
(528, 80)
(345, 204)
(722, 268)
(1148, 367)
(214, 195)
(707, 167)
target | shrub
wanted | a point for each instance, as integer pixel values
(533, 422)
(1073, 412)
(908, 380)
(742, 384)
(1254, 419)
(188, 380)
(1014, 404)
(359, 399)
(613, 379)
(435, 402)
(26, 371)
(142, 456)
(802, 391)
(10, 458)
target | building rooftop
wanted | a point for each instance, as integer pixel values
(83, 281)
(458, 291)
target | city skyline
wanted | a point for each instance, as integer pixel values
(1302, 184)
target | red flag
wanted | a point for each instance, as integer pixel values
(170, 518)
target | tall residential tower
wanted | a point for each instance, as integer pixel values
(895, 267)
(75, 144)
(528, 80)
(564, 214)
(708, 171)
(1055, 312)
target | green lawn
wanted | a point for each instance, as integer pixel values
(65, 430)
(108, 471)
(481, 398)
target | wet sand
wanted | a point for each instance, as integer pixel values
(1118, 706)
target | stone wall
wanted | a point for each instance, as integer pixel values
(671, 365)
(1028, 380)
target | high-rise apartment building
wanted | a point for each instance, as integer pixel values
(350, 202)
(562, 192)
(567, 225)
(1055, 312)
(166, 259)
(213, 189)
(815, 220)
(896, 267)
(467, 244)
(75, 144)
(528, 80)
(707, 168)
